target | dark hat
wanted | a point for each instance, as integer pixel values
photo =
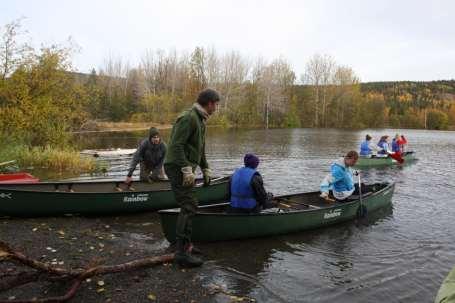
(251, 161)
(153, 132)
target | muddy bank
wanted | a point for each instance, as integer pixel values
(77, 241)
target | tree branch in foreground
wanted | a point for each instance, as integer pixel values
(7, 253)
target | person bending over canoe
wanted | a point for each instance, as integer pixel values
(340, 179)
(186, 151)
(246, 189)
(150, 156)
(367, 147)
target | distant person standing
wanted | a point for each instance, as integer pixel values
(187, 151)
(150, 155)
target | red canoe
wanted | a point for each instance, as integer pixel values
(18, 178)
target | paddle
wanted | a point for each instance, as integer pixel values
(362, 210)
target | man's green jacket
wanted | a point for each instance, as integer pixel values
(186, 146)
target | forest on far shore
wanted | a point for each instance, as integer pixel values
(43, 97)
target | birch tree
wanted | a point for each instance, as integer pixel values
(12, 52)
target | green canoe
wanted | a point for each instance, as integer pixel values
(446, 293)
(297, 212)
(383, 161)
(56, 198)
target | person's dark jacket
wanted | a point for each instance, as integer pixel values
(148, 154)
(258, 188)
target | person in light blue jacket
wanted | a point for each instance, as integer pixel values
(340, 179)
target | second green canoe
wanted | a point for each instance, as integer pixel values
(296, 213)
(383, 161)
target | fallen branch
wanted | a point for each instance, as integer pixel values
(55, 273)
(18, 280)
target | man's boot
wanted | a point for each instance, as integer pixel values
(184, 258)
(191, 249)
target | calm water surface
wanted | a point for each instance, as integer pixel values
(402, 256)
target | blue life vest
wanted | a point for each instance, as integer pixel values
(242, 194)
(365, 149)
(395, 146)
(384, 146)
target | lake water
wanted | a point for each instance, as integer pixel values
(402, 256)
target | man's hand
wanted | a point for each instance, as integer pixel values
(325, 196)
(188, 176)
(128, 180)
(206, 173)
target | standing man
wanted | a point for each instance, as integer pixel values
(150, 155)
(187, 151)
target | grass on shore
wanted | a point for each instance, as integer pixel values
(52, 159)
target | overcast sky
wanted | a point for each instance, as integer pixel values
(381, 40)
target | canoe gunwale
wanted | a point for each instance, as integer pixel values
(173, 211)
(5, 187)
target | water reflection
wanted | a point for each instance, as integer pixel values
(254, 259)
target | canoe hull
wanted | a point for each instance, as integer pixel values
(446, 293)
(220, 227)
(30, 203)
(17, 178)
(381, 162)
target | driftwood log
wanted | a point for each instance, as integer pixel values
(77, 276)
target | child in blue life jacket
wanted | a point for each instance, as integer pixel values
(246, 188)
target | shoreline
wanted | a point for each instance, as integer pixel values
(101, 127)
(75, 241)
(106, 127)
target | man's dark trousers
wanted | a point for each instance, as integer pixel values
(186, 199)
